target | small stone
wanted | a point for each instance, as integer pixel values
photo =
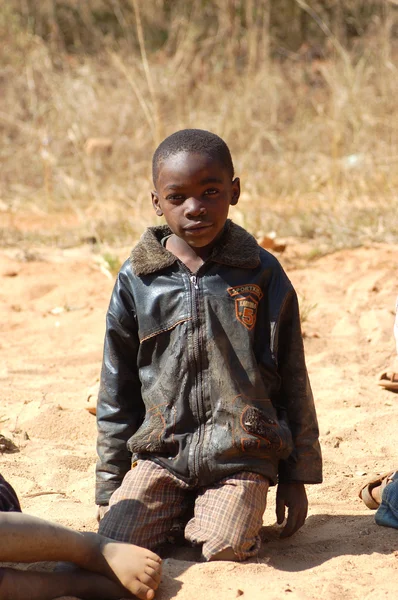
(10, 273)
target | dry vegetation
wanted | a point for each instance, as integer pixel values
(305, 93)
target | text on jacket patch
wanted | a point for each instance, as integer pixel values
(247, 297)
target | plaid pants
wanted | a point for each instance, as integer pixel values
(151, 501)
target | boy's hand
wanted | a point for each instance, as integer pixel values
(294, 497)
(101, 512)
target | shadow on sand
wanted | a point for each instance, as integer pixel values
(321, 539)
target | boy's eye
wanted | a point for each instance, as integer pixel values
(175, 197)
(211, 191)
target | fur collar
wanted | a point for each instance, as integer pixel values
(236, 248)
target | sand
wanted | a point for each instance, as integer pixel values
(52, 314)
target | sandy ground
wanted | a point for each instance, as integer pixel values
(52, 309)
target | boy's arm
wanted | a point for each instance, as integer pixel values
(120, 410)
(304, 465)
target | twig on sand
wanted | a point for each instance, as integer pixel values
(35, 494)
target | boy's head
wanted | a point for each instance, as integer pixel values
(193, 141)
(193, 175)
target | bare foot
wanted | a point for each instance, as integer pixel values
(132, 570)
(372, 492)
(376, 493)
(107, 570)
(137, 569)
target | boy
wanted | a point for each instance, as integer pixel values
(203, 378)
(109, 570)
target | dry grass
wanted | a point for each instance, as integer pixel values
(315, 142)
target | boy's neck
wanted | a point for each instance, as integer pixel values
(193, 258)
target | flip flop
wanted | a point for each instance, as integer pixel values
(388, 383)
(365, 493)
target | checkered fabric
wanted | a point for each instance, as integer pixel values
(8, 499)
(151, 501)
(230, 515)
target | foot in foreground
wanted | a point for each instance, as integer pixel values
(108, 570)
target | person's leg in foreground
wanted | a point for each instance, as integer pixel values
(109, 570)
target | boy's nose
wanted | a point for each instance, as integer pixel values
(194, 207)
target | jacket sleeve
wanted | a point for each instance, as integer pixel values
(305, 462)
(120, 410)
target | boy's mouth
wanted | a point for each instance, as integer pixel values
(197, 226)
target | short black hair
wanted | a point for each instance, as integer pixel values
(197, 141)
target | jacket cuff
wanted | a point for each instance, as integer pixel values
(291, 472)
(103, 493)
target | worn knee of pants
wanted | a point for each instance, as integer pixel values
(146, 506)
(230, 515)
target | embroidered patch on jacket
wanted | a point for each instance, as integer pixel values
(247, 297)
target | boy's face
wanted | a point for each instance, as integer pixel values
(194, 193)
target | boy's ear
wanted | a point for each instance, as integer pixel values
(156, 205)
(235, 191)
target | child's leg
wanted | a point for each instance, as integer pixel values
(34, 585)
(228, 517)
(145, 507)
(28, 539)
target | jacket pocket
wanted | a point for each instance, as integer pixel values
(265, 432)
(156, 427)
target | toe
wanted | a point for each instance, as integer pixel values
(154, 566)
(154, 557)
(151, 579)
(142, 591)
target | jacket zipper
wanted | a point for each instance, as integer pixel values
(198, 371)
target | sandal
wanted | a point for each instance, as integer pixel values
(388, 380)
(365, 493)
